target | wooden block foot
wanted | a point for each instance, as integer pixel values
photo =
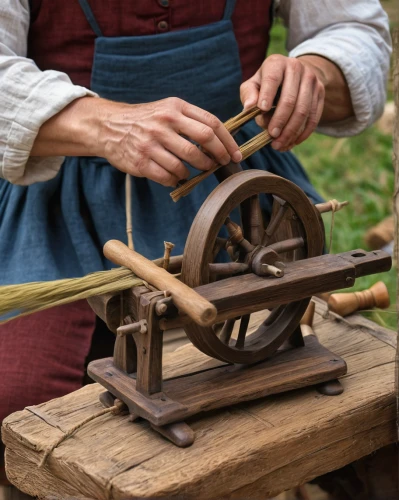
(107, 399)
(179, 433)
(331, 388)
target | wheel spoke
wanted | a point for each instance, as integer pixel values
(287, 245)
(236, 236)
(242, 331)
(252, 220)
(227, 330)
(275, 221)
(228, 268)
(219, 244)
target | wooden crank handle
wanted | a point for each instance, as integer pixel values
(185, 298)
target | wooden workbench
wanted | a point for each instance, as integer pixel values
(253, 450)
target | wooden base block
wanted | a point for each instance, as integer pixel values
(223, 385)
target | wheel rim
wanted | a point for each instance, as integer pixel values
(199, 250)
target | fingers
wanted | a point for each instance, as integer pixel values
(205, 136)
(273, 72)
(214, 127)
(314, 117)
(170, 163)
(249, 91)
(288, 100)
(148, 168)
(289, 122)
(301, 103)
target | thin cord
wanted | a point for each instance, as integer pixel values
(334, 208)
(128, 205)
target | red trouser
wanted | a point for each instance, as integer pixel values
(42, 356)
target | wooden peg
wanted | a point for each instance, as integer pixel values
(166, 258)
(347, 303)
(140, 326)
(331, 206)
(307, 320)
(162, 306)
(185, 298)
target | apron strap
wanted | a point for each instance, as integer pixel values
(90, 17)
(229, 9)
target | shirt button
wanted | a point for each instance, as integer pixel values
(163, 25)
(163, 3)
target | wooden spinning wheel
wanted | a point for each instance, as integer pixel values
(212, 297)
(253, 249)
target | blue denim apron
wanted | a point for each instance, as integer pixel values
(56, 229)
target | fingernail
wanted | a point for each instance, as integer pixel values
(275, 132)
(263, 105)
(276, 145)
(237, 157)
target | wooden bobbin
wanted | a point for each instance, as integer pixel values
(347, 303)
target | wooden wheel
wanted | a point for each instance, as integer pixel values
(252, 248)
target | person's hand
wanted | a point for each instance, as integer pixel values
(151, 140)
(301, 102)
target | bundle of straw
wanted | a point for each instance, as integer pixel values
(247, 149)
(21, 300)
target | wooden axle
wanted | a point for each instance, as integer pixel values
(185, 298)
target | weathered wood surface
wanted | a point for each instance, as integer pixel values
(252, 450)
(207, 390)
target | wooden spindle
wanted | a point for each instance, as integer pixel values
(347, 303)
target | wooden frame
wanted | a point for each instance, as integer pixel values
(134, 374)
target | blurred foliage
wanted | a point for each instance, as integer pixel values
(358, 169)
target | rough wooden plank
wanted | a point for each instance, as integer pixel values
(278, 441)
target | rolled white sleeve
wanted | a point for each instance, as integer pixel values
(355, 36)
(28, 97)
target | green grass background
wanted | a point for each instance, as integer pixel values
(358, 169)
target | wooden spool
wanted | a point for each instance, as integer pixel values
(347, 303)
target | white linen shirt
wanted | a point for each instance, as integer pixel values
(354, 34)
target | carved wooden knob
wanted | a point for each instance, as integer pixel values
(347, 303)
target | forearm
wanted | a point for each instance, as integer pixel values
(337, 101)
(74, 131)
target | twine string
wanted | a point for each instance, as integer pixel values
(334, 208)
(116, 409)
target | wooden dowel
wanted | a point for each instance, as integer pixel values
(287, 245)
(185, 298)
(307, 320)
(175, 263)
(332, 205)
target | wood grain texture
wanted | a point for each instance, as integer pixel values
(206, 390)
(249, 450)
